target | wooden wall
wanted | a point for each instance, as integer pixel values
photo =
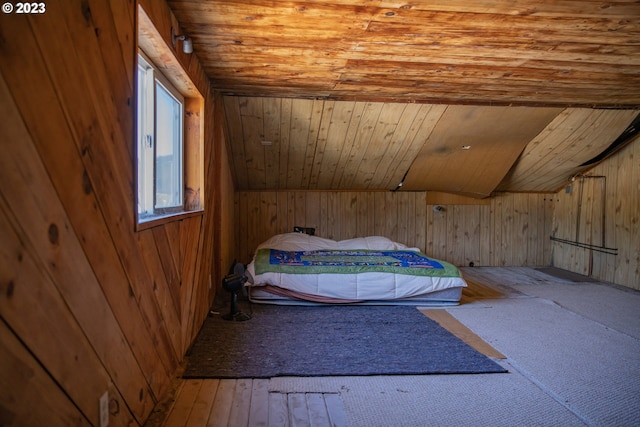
(602, 208)
(508, 229)
(87, 304)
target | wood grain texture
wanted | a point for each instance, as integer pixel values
(351, 145)
(249, 403)
(116, 308)
(509, 53)
(19, 368)
(351, 94)
(574, 137)
(602, 208)
(509, 229)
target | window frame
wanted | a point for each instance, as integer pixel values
(147, 130)
(168, 62)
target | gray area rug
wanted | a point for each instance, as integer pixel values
(331, 341)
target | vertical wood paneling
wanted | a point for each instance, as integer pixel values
(459, 233)
(455, 246)
(285, 139)
(496, 220)
(241, 235)
(271, 133)
(404, 215)
(627, 221)
(397, 146)
(487, 238)
(301, 119)
(252, 125)
(521, 227)
(377, 149)
(472, 235)
(270, 205)
(508, 238)
(300, 212)
(333, 146)
(380, 213)
(282, 212)
(319, 150)
(236, 147)
(352, 128)
(314, 143)
(391, 216)
(535, 231)
(549, 206)
(312, 204)
(255, 223)
(362, 226)
(420, 232)
(612, 186)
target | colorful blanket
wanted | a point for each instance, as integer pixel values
(350, 262)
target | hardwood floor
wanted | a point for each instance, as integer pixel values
(246, 403)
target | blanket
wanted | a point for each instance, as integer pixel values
(350, 262)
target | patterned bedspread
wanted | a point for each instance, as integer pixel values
(351, 261)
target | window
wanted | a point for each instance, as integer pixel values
(170, 123)
(160, 144)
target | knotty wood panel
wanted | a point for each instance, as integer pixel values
(76, 365)
(114, 309)
(27, 377)
(603, 209)
(513, 229)
(578, 53)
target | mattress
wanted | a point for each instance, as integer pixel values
(374, 269)
(443, 298)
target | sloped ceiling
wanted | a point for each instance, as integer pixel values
(369, 94)
(285, 143)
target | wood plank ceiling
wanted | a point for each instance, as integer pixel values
(364, 94)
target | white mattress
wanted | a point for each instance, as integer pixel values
(444, 298)
(353, 287)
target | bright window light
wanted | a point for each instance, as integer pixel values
(160, 144)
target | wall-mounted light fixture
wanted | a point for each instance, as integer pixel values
(187, 45)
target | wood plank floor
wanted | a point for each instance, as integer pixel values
(246, 403)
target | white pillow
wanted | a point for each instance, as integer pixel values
(305, 242)
(378, 243)
(297, 242)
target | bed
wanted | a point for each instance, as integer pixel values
(301, 269)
